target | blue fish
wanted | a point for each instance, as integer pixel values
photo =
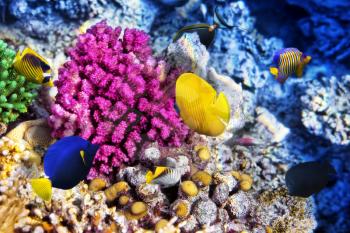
(287, 62)
(66, 163)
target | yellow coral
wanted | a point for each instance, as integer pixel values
(116, 189)
(161, 224)
(123, 200)
(189, 188)
(246, 182)
(202, 177)
(97, 184)
(268, 229)
(138, 207)
(204, 153)
(137, 211)
(182, 209)
(236, 175)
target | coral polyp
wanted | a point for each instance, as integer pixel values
(16, 92)
(109, 93)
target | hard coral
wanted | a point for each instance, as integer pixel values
(110, 93)
(16, 92)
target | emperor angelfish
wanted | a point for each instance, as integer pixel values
(200, 107)
(66, 163)
(305, 179)
(33, 66)
(288, 61)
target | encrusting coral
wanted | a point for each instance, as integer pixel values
(110, 93)
(16, 92)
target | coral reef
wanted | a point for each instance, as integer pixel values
(16, 92)
(226, 187)
(130, 112)
(326, 109)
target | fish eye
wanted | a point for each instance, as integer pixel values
(46, 79)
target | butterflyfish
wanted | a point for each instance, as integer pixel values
(288, 61)
(33, 66)
(200, 107)
(308, 178)
(66, 163)
(164, 176)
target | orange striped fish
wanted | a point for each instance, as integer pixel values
(287, 62)
(34, 67)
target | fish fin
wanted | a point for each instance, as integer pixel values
(222, 108)
(281, 78)
(307, 59)
(299, 71)
(159, 171)
(274, 71)
(149, 177)
(82, 155)
(42, 187)
(17, 58)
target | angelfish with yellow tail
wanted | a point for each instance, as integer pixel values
(200, 107)
(66, 163)
(287, 62)
(33, 66)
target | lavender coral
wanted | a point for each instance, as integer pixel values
(110, 93)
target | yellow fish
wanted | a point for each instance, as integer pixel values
(200, 107)
(42, 187)
(34, 67)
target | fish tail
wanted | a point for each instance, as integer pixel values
(49, 84)
(281, 79)
(17, 58)
(274, 71)
(307, 59)
(149, 177)
(222, 108)
(42, 187)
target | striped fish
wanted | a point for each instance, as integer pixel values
(165, 176)
(288, 61)
(34, 67)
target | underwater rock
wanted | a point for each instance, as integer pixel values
(278, 130)
(188, 55)
(325, 17)
(35, 133)
(205, 211)
(238, 52)
(326, 109)
(221, 193)
(238, 205)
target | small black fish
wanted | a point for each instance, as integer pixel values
(308, 178)
(175, 3)
(205, 32)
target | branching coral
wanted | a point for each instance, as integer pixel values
(110, 94)
(16, 92)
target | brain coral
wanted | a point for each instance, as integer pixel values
(109, 93)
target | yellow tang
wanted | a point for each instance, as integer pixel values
(42, 187)
(200, 107)
(34, 67)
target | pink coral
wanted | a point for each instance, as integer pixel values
(109, 93)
